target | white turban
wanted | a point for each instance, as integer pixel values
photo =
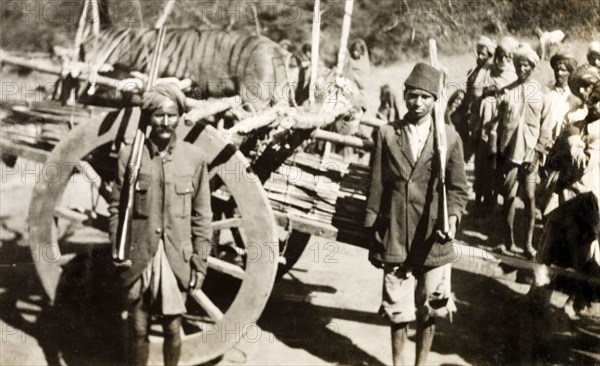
(594, 47)
(484, 41)
(525, 52)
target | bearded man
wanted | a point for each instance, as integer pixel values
(170, 229)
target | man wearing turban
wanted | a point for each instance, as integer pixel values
(496, 77)
(557, 102)
(484, 49)
(572, 230)
(593, 54)
(170, 228)
(402, 215)
(517, 127)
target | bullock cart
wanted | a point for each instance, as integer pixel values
(269, 195)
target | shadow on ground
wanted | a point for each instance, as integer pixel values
(483, 227)
(498, 326)
(82, 326)
(299, 324)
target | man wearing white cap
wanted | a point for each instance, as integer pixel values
(557, 102)
(402, 215)
(485, 49)
(517, 128)
(593, 54)
(499, 75)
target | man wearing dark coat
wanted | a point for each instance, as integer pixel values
(402, 213)
(170, 229)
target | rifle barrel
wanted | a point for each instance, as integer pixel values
(135, 158)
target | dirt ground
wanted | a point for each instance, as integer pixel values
(324, 311)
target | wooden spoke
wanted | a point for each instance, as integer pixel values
(211, 309)
(233, 222)
(89, 173)
(88, 217)
(69, 214)
(55, 217)
(226, 267)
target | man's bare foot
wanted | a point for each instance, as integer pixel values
(531, 252)
(515, 249)
(501, 249)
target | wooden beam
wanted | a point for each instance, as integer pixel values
(28, 152)
(211, 309)
(227, 223)
(226, 267)
(372, 121)
(342, 139)
(305, 225)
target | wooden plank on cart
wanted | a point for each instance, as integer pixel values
(9, 147)
(305, 225)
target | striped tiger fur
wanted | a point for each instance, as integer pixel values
(220, 63)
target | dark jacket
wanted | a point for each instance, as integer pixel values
(172, 201)
(403, 197)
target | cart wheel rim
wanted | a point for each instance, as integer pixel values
(256, 219)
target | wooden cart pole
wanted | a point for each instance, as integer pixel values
(314, 52)
(343, 51)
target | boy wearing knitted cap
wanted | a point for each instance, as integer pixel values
(170, 229)
(517, 128)
(402, 212)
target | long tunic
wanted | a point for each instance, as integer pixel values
(556, 113)
(483, 110)
(518, 121)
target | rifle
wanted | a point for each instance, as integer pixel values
(135, 159)
(441, 144)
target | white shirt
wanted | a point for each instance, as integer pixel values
(418, 134)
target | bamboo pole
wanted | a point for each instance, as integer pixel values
(165, 14)
(372, 121)
(49, 68)
(253, 123)
(80, 28)
(337, 138)
(201, 109)
(343, 51)
(314, 57)
(256, 21)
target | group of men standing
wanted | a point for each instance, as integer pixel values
(513, 129)
(542, 146)
(514, 123)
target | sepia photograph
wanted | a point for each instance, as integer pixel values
(299, 182)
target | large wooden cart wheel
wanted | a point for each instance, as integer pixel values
(251, 273)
